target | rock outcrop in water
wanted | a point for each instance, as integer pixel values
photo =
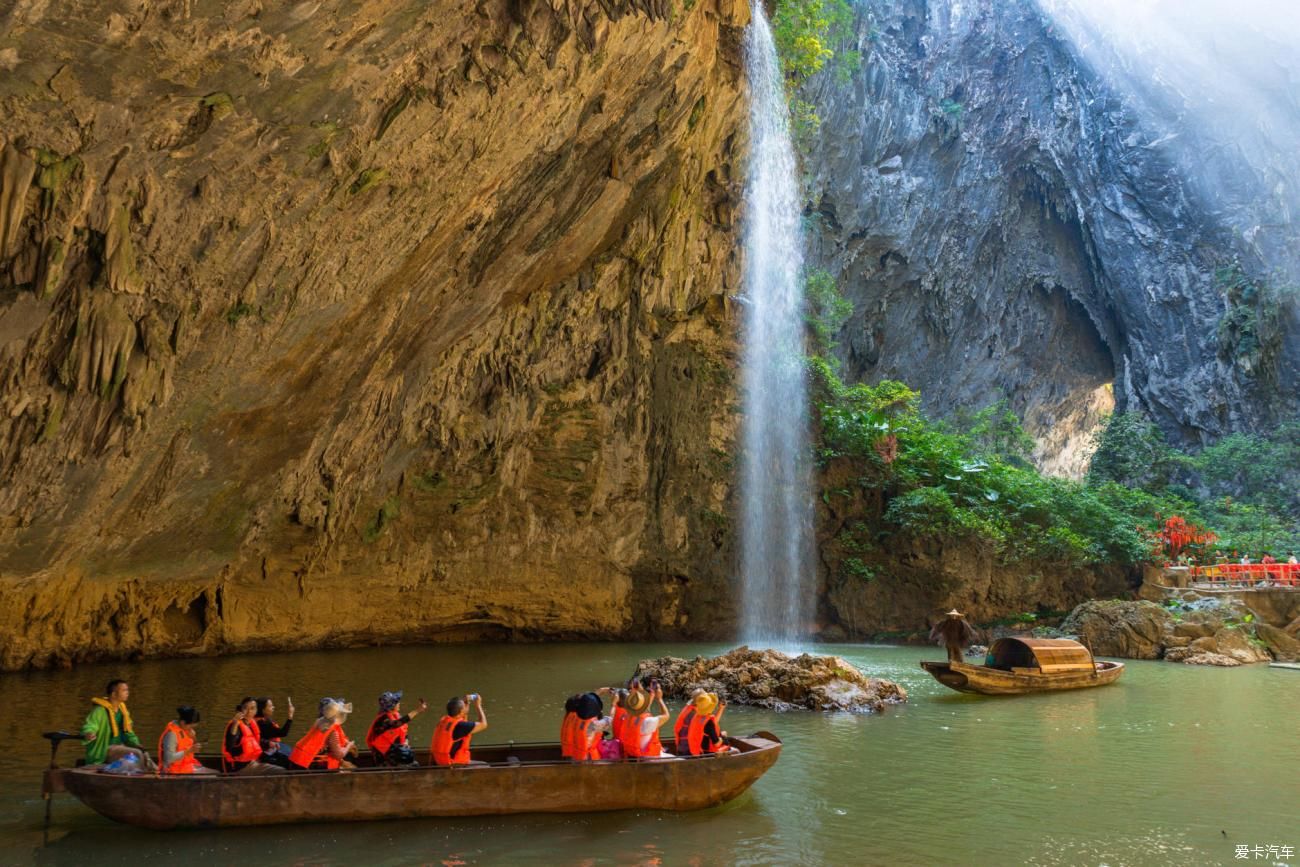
(1202, 632)
(1007, 225)
(354, 322)
(771, 679)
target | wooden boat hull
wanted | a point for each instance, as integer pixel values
(519, 779)
(1292, 665)
(981, 680)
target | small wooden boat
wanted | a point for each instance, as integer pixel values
(1020, 665)
(518, 778)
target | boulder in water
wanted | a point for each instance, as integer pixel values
(771, 679)
(1132, 630)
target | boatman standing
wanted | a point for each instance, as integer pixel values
(954, 633)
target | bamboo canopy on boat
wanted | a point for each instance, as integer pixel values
(1046, 654)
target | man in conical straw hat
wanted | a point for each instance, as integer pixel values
(954, 633)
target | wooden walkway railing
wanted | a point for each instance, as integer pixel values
(1247, 575)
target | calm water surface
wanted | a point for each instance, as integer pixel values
(1172, 765)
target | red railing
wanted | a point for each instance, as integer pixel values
(1248, 574)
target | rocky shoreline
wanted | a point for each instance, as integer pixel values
(1196, 631)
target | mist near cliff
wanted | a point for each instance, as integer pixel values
(1219, 85)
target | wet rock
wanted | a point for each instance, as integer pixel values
(1207, 658)
(771, 679)
(1193, 630)
(1132, 630)
(1282, 645)
(1233, 642)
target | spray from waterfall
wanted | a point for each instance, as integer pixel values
(776, 506)
(1216, 87)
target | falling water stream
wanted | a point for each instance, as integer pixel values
(776, 511)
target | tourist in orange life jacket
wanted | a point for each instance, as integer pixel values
(704, 735)
(451, 737)
(566, 727)
(619, 715)
(325, 744)
(683, 722)
(640, 736)
(274, 750)
(386, 736)
(584, 726)
(241, 748)
(177, 748)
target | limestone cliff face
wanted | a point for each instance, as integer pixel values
(327, 322)
(1006, 224)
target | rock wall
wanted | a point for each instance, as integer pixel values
(341, 322)
(1008, 225)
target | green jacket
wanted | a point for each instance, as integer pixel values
(99, 722)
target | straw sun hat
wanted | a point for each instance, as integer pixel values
(337, 710)
(636, 702)
(705, 703)
(955, 613)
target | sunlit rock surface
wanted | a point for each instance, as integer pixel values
(769, 678)
(325, 324)
(1203, 632)
(1007, 225)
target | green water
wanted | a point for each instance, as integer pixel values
(1172, 765)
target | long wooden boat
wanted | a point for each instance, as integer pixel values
(518, 778)
(1020, 665)
(1291, 665)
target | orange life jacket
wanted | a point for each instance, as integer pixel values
(695, 736)
(631, 739)
(311, 746)
(183, 765)
(250, 747)
(443, 741)
(620, 719)
(383, 742)
(577, 744)
(681, 727)
(566, 734)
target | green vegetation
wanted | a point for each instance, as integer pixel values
(218, 104)
(367, 179)
(328, 130)
(973, 483)
(238, 311)
(827, 310)
(387, 513)
(809, 36)
(972, 479)
(1245, 488)
(1251, 329)
(428, 481)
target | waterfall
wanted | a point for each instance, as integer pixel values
(776, 506)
